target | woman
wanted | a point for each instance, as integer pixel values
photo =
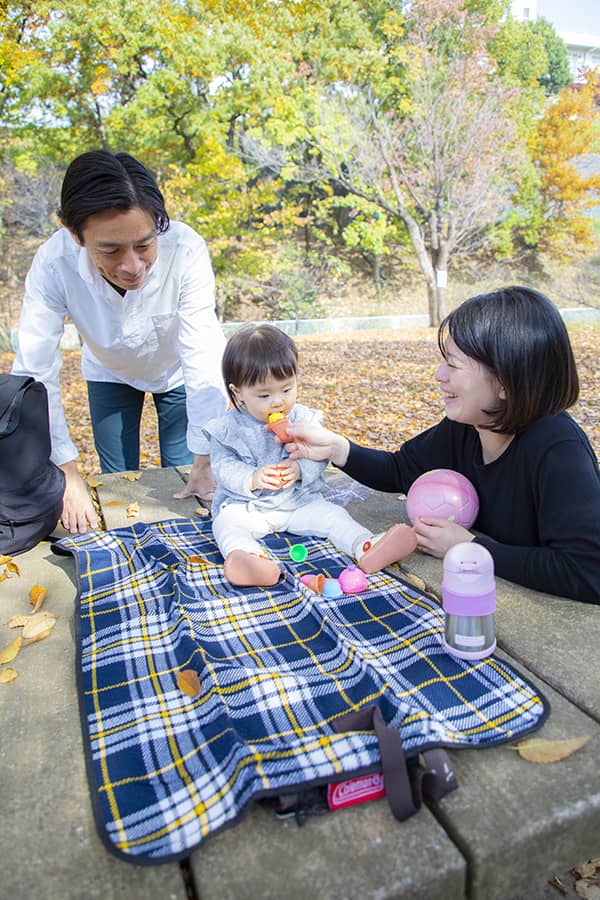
(140, 291)
(507, 376)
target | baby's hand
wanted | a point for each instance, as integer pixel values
(289, 471)
(276, 476)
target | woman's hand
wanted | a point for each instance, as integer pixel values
(317, 443)
(78, 510)
(200, 483)
(275, 476)
(436, 536)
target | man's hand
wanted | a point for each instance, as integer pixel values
(201, 483)
(78, 510)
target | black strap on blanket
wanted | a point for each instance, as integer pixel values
(404, 787)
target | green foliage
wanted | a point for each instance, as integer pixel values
(558, 75)
(353, 127)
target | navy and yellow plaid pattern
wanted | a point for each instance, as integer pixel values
(277, 667)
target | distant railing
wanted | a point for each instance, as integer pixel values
(293, 327)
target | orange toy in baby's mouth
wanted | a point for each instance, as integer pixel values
(278, 424)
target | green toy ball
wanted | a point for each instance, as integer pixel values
(298, 552)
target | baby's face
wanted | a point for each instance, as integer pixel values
(266, 397)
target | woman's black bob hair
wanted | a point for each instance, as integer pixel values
(100, 180)
(256, 352)
(519, 335)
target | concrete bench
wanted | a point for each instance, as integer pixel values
(510, 827)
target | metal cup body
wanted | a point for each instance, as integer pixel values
(470, 637)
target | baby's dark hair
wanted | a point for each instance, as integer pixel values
(255, 352)
(519, 335)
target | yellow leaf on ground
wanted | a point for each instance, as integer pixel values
(93, 482)
(195, 559)
(37, 595)
(116, 503)
(131, 476)
(133, 510)
(4, 560)
(3, 576)
(13, 567)
(539, 750)
(39, 627)
(8, 654)
(18, 621)
(7, 675)
(587, 879)
(201, 511)
(188, 681)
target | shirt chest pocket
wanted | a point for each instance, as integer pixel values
(165, 327)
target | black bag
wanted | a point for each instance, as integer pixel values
(31, 487)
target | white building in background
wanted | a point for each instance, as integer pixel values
(583, 48)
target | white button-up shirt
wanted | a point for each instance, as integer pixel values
(155, 338)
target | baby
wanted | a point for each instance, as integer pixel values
(259, 489)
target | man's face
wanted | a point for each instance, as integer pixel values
(122, 245)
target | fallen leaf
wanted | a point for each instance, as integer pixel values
(188, 681)
(131, 476)
(587, 869)
(18, 621)
(37, 595)
(4, 560)
(195, 559)
(133, 510)
(8, 654)
(7, 675)
(201, 511)
(38, 627)
(540, 750)
(3, 576)
(13, 567)
(93, 482)
(116, 503)
(557, 883)
(587, 880)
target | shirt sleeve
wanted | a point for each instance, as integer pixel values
(387, 470)
(41, 327)
(231, 473)
(567, 563)
(200, 345)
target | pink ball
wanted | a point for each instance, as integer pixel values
(443, 493)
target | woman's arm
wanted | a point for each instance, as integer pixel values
(567, 563)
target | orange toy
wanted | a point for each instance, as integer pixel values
(278, 424)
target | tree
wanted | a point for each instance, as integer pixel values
(444, 160)
(557, 74)
(564, 134)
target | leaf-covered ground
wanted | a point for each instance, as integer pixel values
(377, 387)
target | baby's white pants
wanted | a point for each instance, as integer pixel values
(239, 526)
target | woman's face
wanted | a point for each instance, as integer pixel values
(468, 387)
(122, 245)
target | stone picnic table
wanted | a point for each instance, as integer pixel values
(509, 828)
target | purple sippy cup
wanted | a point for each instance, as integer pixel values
(469, 601)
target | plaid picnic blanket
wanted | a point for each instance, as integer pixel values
(277, 668)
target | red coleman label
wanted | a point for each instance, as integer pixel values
(355, 790)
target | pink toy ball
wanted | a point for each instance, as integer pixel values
(443, 493)
(353, 580)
